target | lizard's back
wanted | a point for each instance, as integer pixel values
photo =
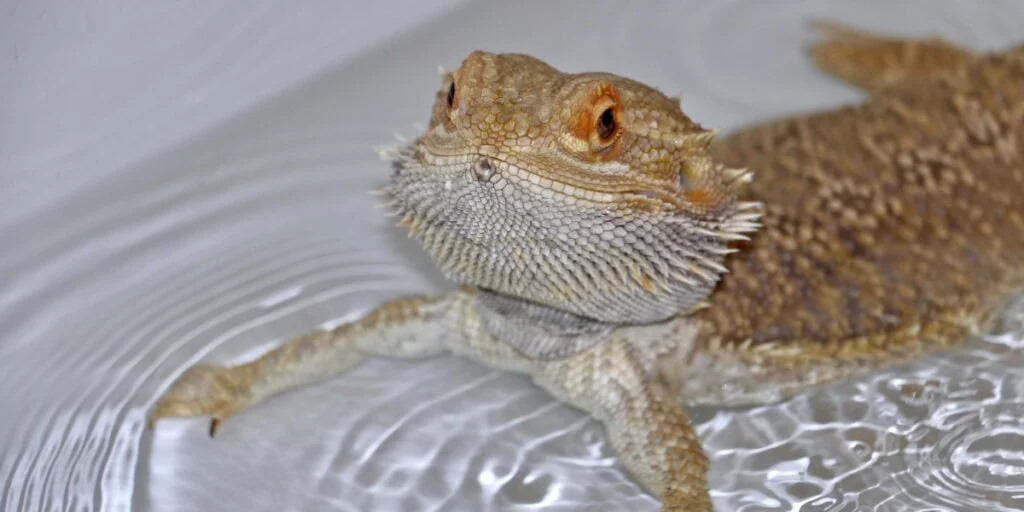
(890, 226)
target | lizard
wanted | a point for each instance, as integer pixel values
(634, 263)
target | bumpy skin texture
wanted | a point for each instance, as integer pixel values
(891, 227)
(588, 221)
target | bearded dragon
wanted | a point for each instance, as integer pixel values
(616, 251)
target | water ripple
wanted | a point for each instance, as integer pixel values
(261, 228)
(963, 458)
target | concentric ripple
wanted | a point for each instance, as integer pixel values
(115, 280)
(965, 456)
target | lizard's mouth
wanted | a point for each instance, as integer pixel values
(489, 167)
(608, 191)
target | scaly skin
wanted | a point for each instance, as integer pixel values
(890, 228)
(588, 221)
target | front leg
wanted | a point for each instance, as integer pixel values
(409, 327)
(650, 432)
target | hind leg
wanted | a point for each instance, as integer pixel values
(874, 61)
(766, 373)
(742, 380)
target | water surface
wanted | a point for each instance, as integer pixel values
(127, 257)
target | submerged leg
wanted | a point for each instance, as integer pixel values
(405, 327)
(650, 432)
(873, 61)
(767, 373)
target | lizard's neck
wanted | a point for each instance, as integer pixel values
(542, 333)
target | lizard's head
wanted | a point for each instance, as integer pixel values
(590, 193)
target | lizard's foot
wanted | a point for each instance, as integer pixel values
(873, 61)
(216, 391)
(404, 327)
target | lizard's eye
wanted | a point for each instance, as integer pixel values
(596, 126)
(451, 95)
(606, 124)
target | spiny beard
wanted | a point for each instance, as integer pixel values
(599, 261)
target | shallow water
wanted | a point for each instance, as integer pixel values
(122, 266)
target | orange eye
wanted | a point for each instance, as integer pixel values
(605, 115)
(596, 127)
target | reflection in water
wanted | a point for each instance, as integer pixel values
(259, 230)
(940, 434)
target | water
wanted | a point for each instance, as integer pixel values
(944, 433)
(115, 278)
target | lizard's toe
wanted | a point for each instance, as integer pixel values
(216, 391)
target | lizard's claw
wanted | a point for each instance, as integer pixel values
(217, 391)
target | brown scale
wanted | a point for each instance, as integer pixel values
(888, 225)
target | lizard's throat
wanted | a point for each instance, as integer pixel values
(602, 261)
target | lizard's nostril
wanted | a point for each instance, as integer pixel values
(483, 169)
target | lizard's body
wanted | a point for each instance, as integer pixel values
(894, 226)
(588, 221)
